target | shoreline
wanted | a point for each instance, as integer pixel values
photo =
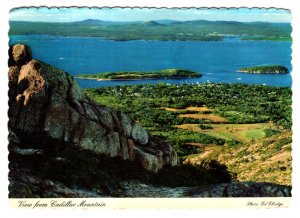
(261, 73)
(102, 79)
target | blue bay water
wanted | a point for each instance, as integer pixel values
(217, 61)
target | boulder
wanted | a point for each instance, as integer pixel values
(20, 54)
(47, 109)
(139, 134)
(148, 161)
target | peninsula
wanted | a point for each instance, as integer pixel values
(135, 75)
(271, 69)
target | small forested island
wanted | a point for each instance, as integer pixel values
(134, 75)
(270, 69)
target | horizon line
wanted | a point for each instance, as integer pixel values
(147, 21)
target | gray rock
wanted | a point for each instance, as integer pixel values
(31, 186)
(28, 151)
(13, 138)
(139, 134)
(236, 189)
(126, 124)
(26, 185)
(146, 160)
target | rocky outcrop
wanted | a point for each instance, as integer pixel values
(47, 109)
(235, 189)
(31, 186)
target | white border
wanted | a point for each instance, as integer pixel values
(289, 4)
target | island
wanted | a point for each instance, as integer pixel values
(135, 75)
(270, 69)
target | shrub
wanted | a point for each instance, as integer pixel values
(193, 175)
(243, 153)
(232, 143)
(267, 142)
(202, 126)
(270, 132)
(184, 149)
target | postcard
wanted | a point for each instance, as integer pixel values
(148, 107)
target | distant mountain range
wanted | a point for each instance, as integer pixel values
(104, 22)
(167, 22)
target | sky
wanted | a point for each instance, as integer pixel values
(146, 14)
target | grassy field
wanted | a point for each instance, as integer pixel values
(240, 132)
(218, 126)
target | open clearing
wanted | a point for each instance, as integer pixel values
(212, 117)
(197, 109)
(220, 128)
(240, 132)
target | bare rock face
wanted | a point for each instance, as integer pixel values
(47, 108)
(234, 189)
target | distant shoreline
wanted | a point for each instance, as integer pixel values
(241, 38)
(153, 30)
(98, 79)
(270, 69)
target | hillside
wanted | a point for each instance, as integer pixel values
(198, 30)
(267, 160)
